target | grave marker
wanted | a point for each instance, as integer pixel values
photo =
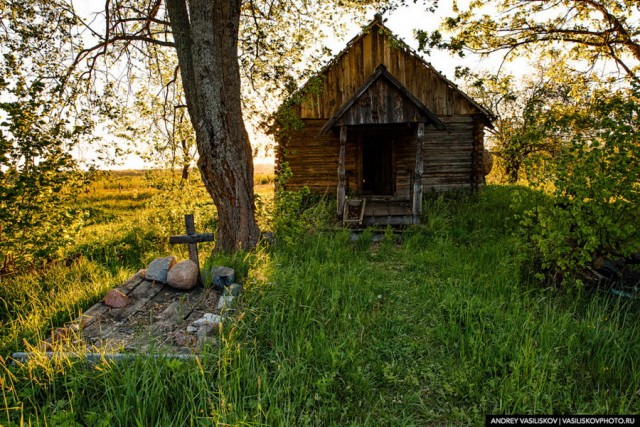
(191, 239)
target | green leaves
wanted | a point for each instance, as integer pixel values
(37, 182)
(38, 129)
(530, 112)
(590, 31)
(595, 184)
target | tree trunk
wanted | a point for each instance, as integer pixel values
(206, 38)
(186, 161)
(512, 169)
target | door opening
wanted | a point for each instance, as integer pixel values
(377, 166)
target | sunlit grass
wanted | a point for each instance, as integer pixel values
(438, 328)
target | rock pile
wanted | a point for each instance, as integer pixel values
(195, 324)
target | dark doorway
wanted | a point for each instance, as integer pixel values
(377, 166)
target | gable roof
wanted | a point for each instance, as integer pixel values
(411, 110)
(378, 26)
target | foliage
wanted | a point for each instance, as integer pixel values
(529, 128)
(595, 196)
(122, 233)
(40, 125)
(37, 182)
(590, 31)
(266, 51)
(158, 125)
(295, 212)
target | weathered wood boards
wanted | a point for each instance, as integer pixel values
(382, 100)
(448, 162)
(157, 318)
(354, 65)
(417, 178)
(341, 170)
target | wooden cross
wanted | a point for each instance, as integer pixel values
(192, 239)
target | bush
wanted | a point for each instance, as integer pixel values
(38, 180)
(297, 211)
(594, 182)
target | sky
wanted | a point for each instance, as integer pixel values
(402, 22)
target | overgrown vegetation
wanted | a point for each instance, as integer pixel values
(593, 209)
(123, 233)
(402, 331)
(486, 307)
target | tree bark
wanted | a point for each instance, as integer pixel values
(512, 170)
(206, 40)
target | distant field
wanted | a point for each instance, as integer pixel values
(263, 169)
(258, 169)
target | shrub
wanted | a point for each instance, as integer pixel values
(594, 182)
(38, 179)
(297, 211)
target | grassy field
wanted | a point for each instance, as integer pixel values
(439, 326)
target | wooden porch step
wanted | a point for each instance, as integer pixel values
(354, 211)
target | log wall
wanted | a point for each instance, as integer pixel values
(449, 157)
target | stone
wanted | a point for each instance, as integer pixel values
(184, 340)
(233, 289)
(225, 301)
(116, 299)
(205, 334)
(207, 329)
(183, 275)
(159, 268)
(192, 329)
(208, 317)
(222, 277)
(170, 312)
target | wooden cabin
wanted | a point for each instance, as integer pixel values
(377, 127)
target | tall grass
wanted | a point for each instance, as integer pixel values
(440, 327)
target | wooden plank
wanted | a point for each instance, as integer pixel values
(375, 56)
(417, 181)
(141, 295)
(387, 209)
(341, 171)
(367, 55)
(112, 324)
(388, 220)
(387, 50)
(94, 312)
(478, 167)
(194, 238)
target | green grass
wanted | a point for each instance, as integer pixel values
(441, 327)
